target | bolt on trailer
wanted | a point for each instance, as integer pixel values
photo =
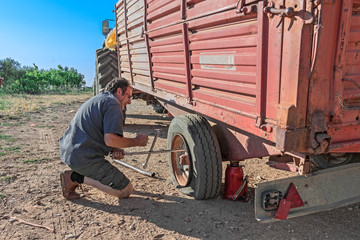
(246, 79)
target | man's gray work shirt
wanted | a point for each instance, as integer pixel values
(83, 141)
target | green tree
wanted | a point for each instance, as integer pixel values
(10, 70)
(32, 80)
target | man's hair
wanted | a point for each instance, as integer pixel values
(116, 83)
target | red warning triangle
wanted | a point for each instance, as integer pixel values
(293, 196)
(292, 199)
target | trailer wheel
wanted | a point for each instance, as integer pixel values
(158, 107)
(197, 171)
(106, 68)
(333, 160)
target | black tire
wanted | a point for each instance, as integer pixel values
(333, 160)
(158, 107)
(203, 151)
(106, 68)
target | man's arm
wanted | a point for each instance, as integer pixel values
(115, 141)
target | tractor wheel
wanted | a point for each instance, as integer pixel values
(197, 170)
(106, 68)
(333, 160)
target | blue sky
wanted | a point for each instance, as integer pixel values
(49, 33)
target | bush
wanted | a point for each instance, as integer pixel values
(10, 70)
(31, 80)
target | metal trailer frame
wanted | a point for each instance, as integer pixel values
(280, 104)
(273, 77)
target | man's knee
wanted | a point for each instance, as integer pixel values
(126, 191)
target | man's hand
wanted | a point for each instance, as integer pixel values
(118, 153)
(142, 139)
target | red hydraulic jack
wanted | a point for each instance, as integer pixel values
(235, 184)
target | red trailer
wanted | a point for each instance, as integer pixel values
(247, 79)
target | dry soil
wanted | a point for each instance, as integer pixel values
(30, 191)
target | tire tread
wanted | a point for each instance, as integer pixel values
(208, 166)
(106, 68)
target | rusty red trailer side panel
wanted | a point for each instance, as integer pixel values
(271, 82)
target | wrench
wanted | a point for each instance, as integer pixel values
(144, 165)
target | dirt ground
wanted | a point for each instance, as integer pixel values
(30, 191)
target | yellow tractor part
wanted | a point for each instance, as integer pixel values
(110, 41)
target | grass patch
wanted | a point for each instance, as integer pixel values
(3, 104)
(11, 117)
(7, 138)
(7, 179)
(10, 140)
(37, 160)
(12, 148)
(6, 124)
(17, 105)
(4, 137)
(2, 196)
(44, 126)
(6, 150)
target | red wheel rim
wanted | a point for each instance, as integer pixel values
(180, 161)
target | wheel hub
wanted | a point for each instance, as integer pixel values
(180, 161)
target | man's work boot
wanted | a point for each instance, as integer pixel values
(68, 186)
